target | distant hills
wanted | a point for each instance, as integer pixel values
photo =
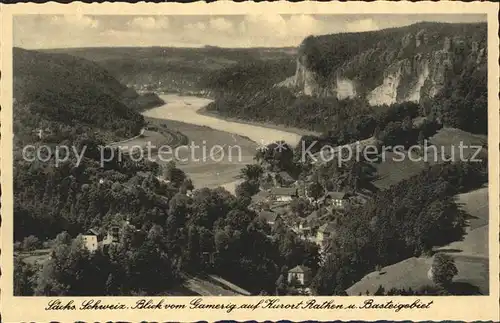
(171, 69)
(328, 82)
(67, 94)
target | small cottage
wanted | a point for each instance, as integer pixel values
(336, 200)
(300, 275)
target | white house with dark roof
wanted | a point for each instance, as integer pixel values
(91, 240)
(300, 274)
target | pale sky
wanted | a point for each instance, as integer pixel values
(268, 30)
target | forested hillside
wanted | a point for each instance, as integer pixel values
(165, 232)
(167, 69)
(68, 95)
(441, 67)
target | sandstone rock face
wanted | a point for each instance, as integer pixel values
(414, 67)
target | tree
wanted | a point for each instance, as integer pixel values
(421, 138)
(187, 185)
(31, 243)
(281, 285)
(443, 270)
(299, 207)
(247, 189)
(23, 278)
(380, 291)
(67, 272)
(173, 174)
(315, 190)
(193, 251)
(252, 172)
(376, 132)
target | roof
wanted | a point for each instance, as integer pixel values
(299, 269)
(287, 191)
(260, 196)
(268, 216)
(336, 195)
(327, 227)
(91, 232)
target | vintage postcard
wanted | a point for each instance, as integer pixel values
(250, 161)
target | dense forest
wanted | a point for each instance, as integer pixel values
(166, 232)
(58, 204)
(168, 69)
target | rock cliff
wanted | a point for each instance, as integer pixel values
(388, 66)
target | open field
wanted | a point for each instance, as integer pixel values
(450, 139)
(471, 256)
(392, 170)
(221, 170)
(153, 139)
(230, 153)
(475, 242)
(207, 285)
(444, 144)
(473, 274)
(227, 146)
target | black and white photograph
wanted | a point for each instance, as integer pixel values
(250, 154)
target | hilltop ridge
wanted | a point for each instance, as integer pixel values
(388, 66)
(64, 93)
(441, 67)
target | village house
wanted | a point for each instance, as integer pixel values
(334, 200)
(284, 179)
(115, 233)
(91, 240)
(300, 274)
(283, 194)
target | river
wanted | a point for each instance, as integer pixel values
(184, 108)
(226, 133)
